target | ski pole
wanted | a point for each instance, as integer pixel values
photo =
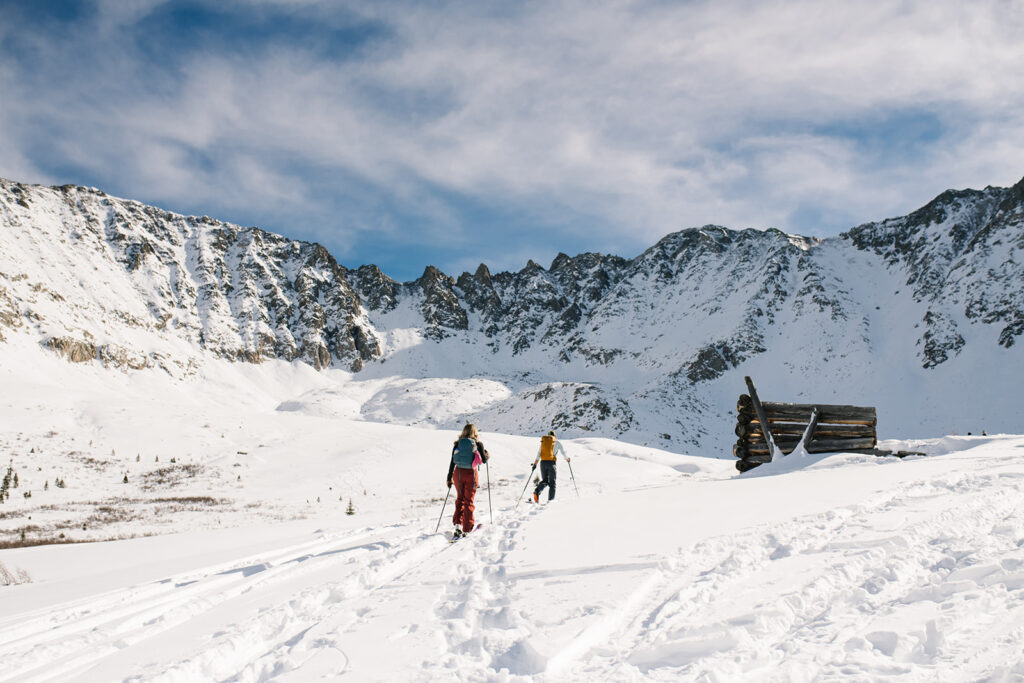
(519, 500)
(490, 505)
(569, 463)
(442, 509)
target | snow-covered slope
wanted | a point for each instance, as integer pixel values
(918, 316)
(217, 492)
(663, 567)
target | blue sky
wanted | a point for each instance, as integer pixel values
(406, 134)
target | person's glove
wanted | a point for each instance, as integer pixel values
(568, 459)
(534, 466)
(449, 483)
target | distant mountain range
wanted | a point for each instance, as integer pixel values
(920, 315)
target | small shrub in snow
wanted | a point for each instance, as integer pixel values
(9, 578)
(27, 494)
(351, 509)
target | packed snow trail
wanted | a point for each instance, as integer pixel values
(833, 594)
(851, 567)
(94, 632)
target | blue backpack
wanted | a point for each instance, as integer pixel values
(463, 455)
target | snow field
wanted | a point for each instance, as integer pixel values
(664, 567)
(900, 569)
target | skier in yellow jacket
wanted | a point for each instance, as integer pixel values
(549, 447)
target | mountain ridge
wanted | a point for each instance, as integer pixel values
(639, 348)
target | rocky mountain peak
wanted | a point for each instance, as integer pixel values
(441, 309)
(560, 262)
(482, 274)
(656, 335)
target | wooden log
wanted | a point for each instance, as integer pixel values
(863, 412)
(779, 429)
(781, 412)
(759, 410)
(897, 454)
(759, 458)
(826, 418)
(790, 440)
(815, 446)
(848, 448)
(744, 466)
(809, 433)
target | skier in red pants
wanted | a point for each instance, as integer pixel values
(468, 453)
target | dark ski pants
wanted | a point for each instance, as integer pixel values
(465, 490)
(547, 478)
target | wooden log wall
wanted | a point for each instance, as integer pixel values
(839, 428)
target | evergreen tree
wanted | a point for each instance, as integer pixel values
(6, 484)
(351, 509)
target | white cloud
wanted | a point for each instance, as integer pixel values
(616, 122)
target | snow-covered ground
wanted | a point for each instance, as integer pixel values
(244, 565)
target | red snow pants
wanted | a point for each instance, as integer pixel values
(465, 491)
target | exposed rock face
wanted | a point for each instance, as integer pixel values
(75, 350)
(594, 343)
(9, 316)
(441, 309)
(241, 293)
(379, 292)
(961, 252)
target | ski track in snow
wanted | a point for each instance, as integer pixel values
(823, 596)
(61, 643)
(787, 623)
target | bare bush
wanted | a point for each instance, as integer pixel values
(9, 578)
